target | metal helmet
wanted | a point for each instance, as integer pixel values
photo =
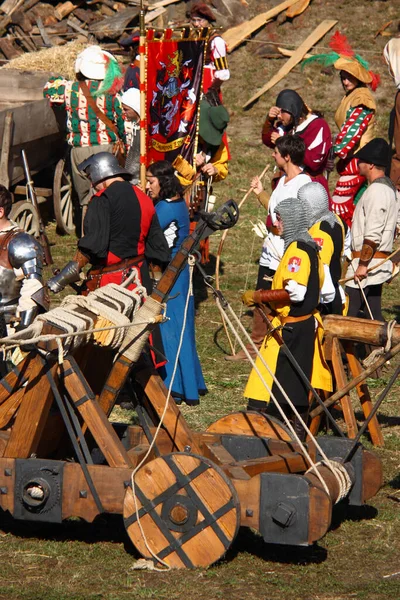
(295, 216)
(317, 197)
(26, 253)
(103, 165)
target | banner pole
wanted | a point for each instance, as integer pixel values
(142, 54)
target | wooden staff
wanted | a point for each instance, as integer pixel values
(143, 119)
(375, 266)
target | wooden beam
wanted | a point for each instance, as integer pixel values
(297, 57)
(297, 8)
(5, 150)
(286, 52)
(238, 34)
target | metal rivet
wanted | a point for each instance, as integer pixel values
(3, 490)
(8, 472)
(249, 512)
(82, 494)
(188, 448)
(127, 484)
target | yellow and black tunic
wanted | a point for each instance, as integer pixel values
(302, 264)
(331, 243)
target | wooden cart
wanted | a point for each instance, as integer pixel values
(61, 457)
(27, 122)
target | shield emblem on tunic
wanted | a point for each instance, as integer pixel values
(294, 264)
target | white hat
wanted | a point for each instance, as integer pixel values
(132, 99)
(93, 62)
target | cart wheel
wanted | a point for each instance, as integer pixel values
(26, 217)
(188, 509)
(62, 198)
(251, 423)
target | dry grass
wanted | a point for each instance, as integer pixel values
(59, 60)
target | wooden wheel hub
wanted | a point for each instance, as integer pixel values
(188, 510)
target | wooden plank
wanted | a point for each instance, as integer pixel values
(94, 417)
(297, 8)
(33, 412)
(154, 14)
(10, 407)
(8, 5)
(5, 150)
(114, 383)
(9, 50)
(65, 8)
(45, 36)
(7, 481)
(363, 394)
(341, 380)
(174, 422)
(286, 52)
(297, 57)
(237, 35)
(109, 483)
(292, 462)
(14, 379)
(162, 3)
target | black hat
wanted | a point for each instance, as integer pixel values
(291, 102)
(376, 152)
(131, 40)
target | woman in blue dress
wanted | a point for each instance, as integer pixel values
(166, 192)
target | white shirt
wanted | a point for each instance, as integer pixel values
(273, 246)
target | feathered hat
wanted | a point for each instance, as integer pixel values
(343, 58)
(95, 63)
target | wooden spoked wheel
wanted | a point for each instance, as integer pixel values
(24, 214)
(251, 423)
(62, 198)
(188, 510)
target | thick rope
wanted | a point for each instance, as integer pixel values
(370, 359)
(192, 262)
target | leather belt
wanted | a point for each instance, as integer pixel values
(378, 254)
(290, 319)
(126, 263)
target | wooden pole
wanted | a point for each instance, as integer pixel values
(297, 57)
(357, 380)
(143, 119)
(5, 149)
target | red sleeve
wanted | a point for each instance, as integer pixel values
(318, 139)
(267, 130)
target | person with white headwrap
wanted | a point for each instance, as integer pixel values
(130, 101)
(328, 230)
(391, 54)
(293, 298)
(94, 114)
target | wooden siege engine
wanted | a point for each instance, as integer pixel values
(61, 457)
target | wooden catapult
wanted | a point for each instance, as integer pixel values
(61, 457)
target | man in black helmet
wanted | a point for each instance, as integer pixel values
(121, 230)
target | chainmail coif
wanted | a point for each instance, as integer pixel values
(317, 198)
(295, 216)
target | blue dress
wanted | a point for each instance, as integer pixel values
(188, 382)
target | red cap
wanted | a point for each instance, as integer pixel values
(202, 10)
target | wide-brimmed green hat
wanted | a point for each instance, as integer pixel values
(213, 122)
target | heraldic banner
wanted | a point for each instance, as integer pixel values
(173, 87)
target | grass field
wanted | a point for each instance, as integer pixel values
(359, 557)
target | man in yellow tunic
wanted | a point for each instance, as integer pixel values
(328, 231)
(294, 298)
